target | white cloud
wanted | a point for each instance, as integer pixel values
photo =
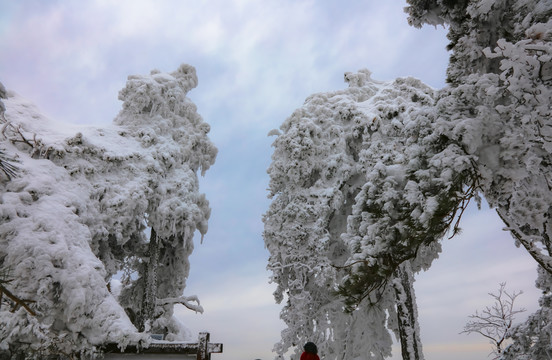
(268, 55)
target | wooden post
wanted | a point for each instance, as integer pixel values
(205, 348)
(202, 347)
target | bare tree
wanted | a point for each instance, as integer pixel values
(495, 321)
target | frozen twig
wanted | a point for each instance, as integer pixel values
(18, 302)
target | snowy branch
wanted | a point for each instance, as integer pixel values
(187, 301)
(18, 302)
(542, 259)
(16, 135)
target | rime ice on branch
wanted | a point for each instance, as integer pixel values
(89, 202)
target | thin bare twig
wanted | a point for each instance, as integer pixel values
(495, 321)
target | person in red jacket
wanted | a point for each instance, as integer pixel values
(310, 352)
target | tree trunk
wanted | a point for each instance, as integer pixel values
(150, 282)
(407, 313)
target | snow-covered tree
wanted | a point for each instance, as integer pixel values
(497, 108)
(410, 177)
(175, 147)
(81, 208)
(334, 153)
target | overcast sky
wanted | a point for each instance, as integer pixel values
(256, 61)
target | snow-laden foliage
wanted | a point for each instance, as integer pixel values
(498, 109)
(501, 113)
(401, 173)
(338, 154)
(81, 206)
(415, 184)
